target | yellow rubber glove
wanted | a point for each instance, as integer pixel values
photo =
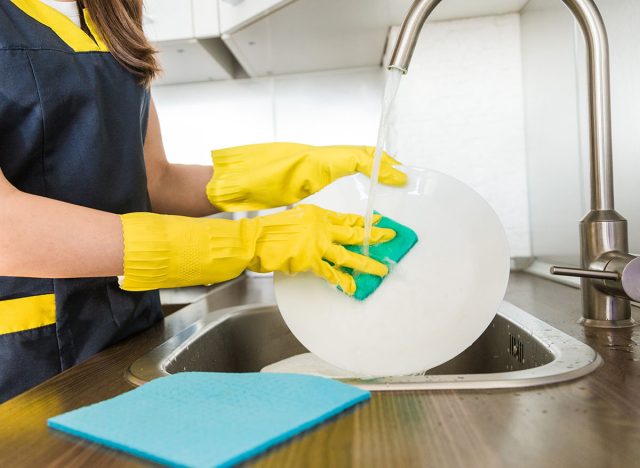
(163, 251)
(269, 175)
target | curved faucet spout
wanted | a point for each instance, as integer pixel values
(603, 232)
(595, 33)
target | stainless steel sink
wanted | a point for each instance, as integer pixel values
(516, 350)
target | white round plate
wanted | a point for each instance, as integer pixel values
(434, 304)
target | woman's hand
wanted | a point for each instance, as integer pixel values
(171, 251)
(309, 238)
(269, 175)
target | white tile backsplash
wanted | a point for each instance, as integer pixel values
(197, 118)
(339, 107)
(459, 111)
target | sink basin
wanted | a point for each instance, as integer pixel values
(516, 350)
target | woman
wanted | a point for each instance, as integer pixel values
(82, 168)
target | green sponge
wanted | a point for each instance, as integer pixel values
(389, 253)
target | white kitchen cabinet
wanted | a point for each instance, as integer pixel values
(313, 35)
(186, 34)
(168, 20)
(194, 60)
(293, 36)
(273, 37)
(205, 18)
(457, 9)
(235, 14)
(172, 20)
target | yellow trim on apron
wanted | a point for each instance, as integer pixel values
(26, 313)
(94, 31)
(66, 29)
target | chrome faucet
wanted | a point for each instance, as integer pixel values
(610, 276)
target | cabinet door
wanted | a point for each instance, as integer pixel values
(168, 20)
(235, 14)
(205, 18)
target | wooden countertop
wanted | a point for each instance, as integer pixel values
(590, 422)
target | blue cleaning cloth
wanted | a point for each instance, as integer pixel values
(210, 419)
(388, 253)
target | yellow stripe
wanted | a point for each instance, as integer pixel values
(94, 31)
(27, 313)
(66, 29)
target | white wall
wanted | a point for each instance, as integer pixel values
(316, 108)
(458, 111)
(552, 130)
(197, 118)
(622, 18)
(557, 122)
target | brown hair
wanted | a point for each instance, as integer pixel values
(120, 26)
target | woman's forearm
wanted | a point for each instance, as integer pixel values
(45, 238)
(176, 189)
(181, 190)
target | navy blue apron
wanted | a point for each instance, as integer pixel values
(72, 128)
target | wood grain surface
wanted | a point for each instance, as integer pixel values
(590, 422)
